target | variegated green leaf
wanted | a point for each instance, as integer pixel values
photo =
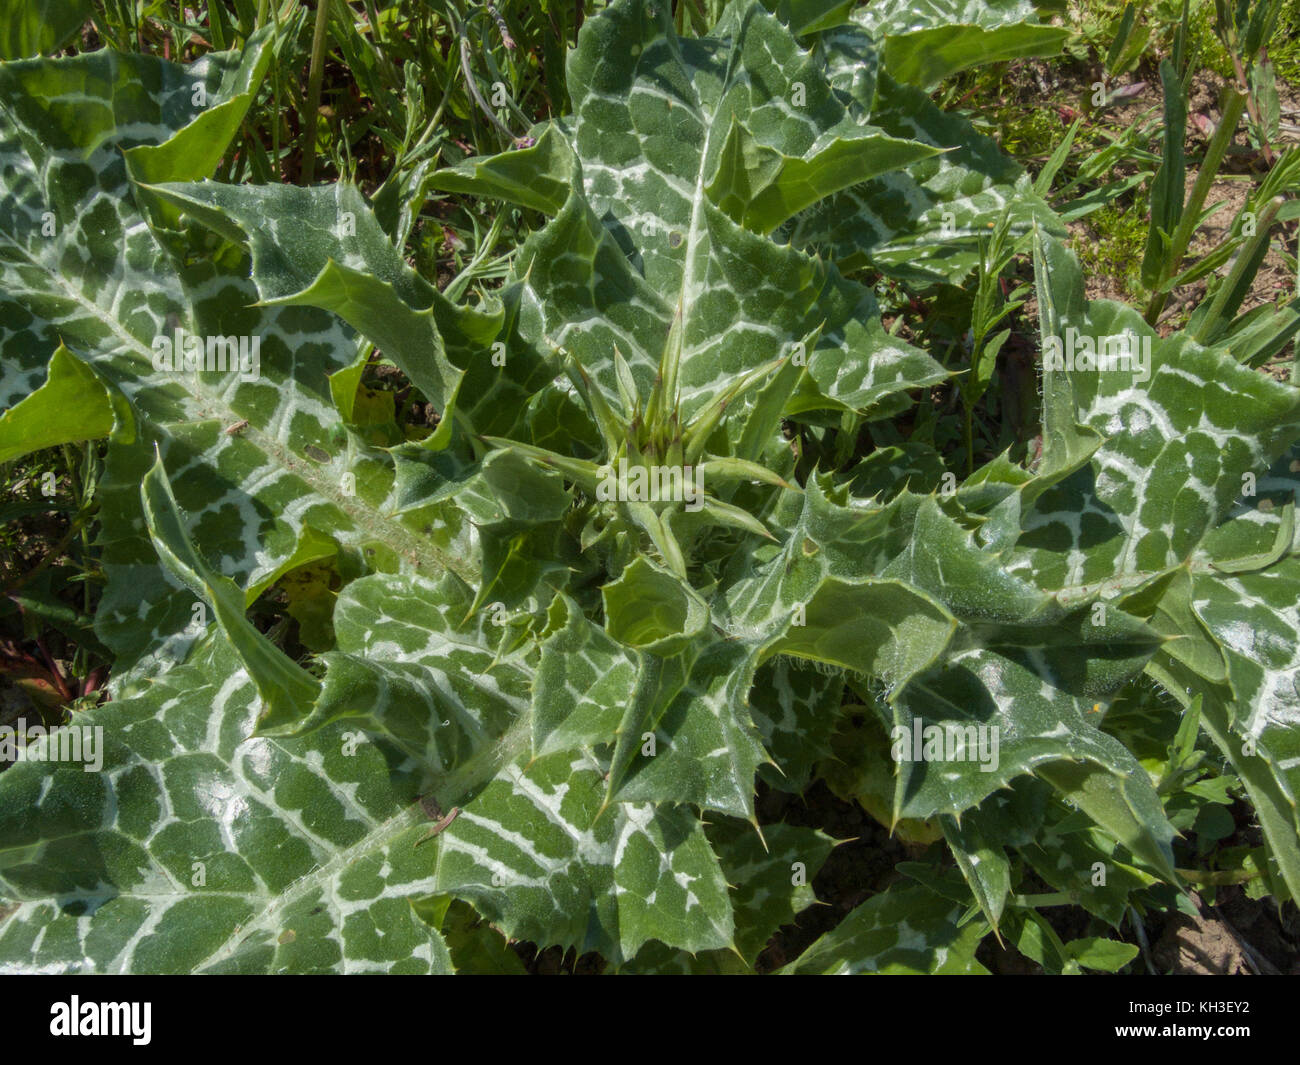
(253, 462)
(1183, 511)
(338, 258)
(196, 849)
(904, 929)
(771, 880)
(924, 223)
(537, 856)
(927, 40)
(795, 707)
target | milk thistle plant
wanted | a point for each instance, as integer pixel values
(684, 522)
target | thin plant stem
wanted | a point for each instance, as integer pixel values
(314, 75)
(472, 85)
